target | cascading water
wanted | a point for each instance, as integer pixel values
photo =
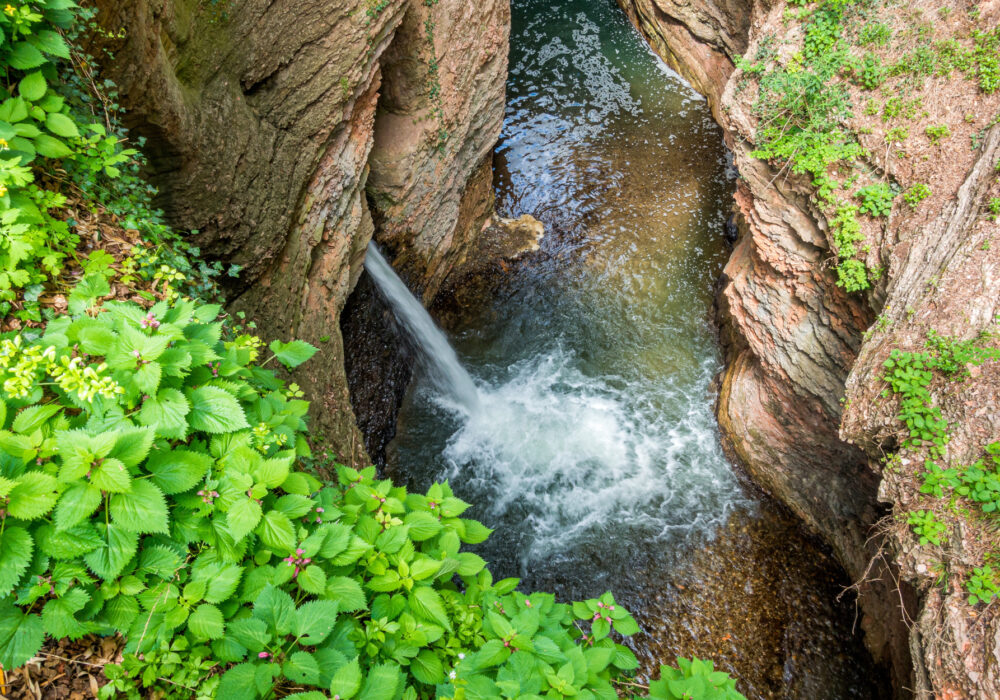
(579, 421)
(442, 363)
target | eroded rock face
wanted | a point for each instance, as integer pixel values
(800, 400)
(262, 119)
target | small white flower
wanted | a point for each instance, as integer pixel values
(461, 655)
(452, 675)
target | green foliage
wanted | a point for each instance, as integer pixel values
(980, 482)
(870, 73)
(986, 59)
(916, 194)
(927, 527)
(983, 585)
(694, 679)
(874, 34)
(876, 199)
(994, 207)
(937, 133)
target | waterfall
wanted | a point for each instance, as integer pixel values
(446, 372)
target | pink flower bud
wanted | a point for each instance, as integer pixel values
(300, 551)
(263, 655)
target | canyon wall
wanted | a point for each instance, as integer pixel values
(800, 403)
(288, 133)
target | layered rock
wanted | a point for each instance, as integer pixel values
(799, 402)
(261, 120)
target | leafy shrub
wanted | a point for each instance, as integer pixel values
(983, 585)
(937, 133)
(874, 33)
(876, 200)
(927, 527)
(694, 679)
(994, 206)
(870, 73)
(148, 488)
(916, 194)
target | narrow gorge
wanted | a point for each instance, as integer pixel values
(684, 310)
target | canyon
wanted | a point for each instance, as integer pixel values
(287, 134)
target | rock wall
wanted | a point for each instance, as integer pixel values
(800, 402)
(270, 125)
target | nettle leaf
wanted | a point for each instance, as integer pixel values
(381, 683)
(426, 667)
(238, 683)
(426, 602)
(177, 471)
(24, 56)
(249, 632)
(347, 680)
(118, 546)
(242, 517)
(33, 495)
(32, 418)
(166, 413)
(312, 579)
(347, 592)
(221, 582)
(422, 524)
(72, 543)
(143, 509)
(206, 622)
(33, 86)
(77, 503)
(111, 476)
(16, 547)
(50, 42)
(314, 621)
(294, 353)
(132, 445)
(301, 667)
(215, 410)
(59, 615)
(21, 635)
(276, 531)
(276, 609)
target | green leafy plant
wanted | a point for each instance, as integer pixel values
(983, 585)
(927, 527)
(937, 133)
(874, 33)
(994, 207)
(916, 194)
(876, 199)
(694, 679)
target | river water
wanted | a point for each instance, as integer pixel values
(588, 440)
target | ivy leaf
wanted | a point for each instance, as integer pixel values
(347, 680)
(426, 603)
(301, 667)
(33, 495)
(176, 471)
(242, 518)
(142, 510)
(24, 56)
(166, 413)
(276, 532)
(347, 592)
(21, 636)
(16, 547)
(314, 621)
(206, 622)
(294, 353)
(61, 125)
(215, 410)
(117, 547)
(77, 503)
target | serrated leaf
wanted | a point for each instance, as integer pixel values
(132, 445)
(423, 525)
(250, 633)
(206, 622)
(215, 410)
(242, 517)
(314, 621)
(50, 42)
(222, 583)
(70, 544)
(21, 636)
(381, 683)
(117, 547)
(51, 147)
(312, 579)
(24, 56)
(276, 531)
(347, 680)
(301, 667)
(426, 667)
(276, 608)
(76, 504)
(166, 413)
(61, 125)
(294, 353)
(111, 476)
(238, 683)
(626, 626)
(16, 547)
(32, 418)
(59, 615)
(347, 592)
(470, 564)
(33, 496)
(142, 510)
(33, 86)
(176, 471)
(426, 602)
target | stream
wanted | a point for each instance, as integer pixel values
(573, 407)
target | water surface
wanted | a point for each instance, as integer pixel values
(591, 445)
